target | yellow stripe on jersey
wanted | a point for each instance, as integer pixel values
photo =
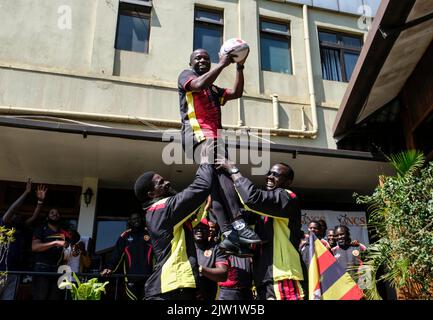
(193, 119)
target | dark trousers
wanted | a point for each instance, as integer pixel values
(135, 289)
(225, 201)
(45, 287)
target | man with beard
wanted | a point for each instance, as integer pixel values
(48, 243)
(200, 109)
(133, 251)
(277, 269)
(176, 273)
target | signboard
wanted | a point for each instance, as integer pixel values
(355, 220)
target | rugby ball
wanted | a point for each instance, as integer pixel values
(237, 48)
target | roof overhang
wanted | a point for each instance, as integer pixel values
(63, 153)
(399, 36)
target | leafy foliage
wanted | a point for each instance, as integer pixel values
(90, 290)
(401, 216)
(6, 237)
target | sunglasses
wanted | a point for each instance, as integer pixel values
(273, 173)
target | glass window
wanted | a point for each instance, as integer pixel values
(339, 54)
(275, 47)
(107, 233)
(208, 32)
(133, 28)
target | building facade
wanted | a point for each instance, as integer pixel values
(89, 88)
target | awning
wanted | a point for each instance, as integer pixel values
(400, 34)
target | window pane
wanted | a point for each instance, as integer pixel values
(271, 26)
(328, 37)
(331, 67)
(132, 33)
(207, 15)
(208, 38)
(275, 55)
(350, 62)
(351, 41)
(107, 233)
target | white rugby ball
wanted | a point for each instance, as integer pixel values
(237, 48)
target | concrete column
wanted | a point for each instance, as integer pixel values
(87, 215)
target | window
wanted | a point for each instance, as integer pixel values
(338, 53)
(133, 26)
(208, 32)
(113, 208)
(275, 47)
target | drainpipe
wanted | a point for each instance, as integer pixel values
(311, 90)
(275, 114)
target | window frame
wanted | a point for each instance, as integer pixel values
(212, 24)
(136, 9)
(279, 35)
(342, 48)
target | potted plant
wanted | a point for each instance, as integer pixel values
(401, 218)
(90, 290)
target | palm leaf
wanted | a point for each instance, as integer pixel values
(407, 162)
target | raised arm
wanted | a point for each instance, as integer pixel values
(40, 195)
(7, 217)
(238, 89)
(183, 204)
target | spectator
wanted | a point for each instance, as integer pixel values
(277, 266)
(238, 285)
(314, 227)
(134, 250)
(347, 253)
(76, 255)
(213, 264)
(11, 219)
(48, 244)
(330, 235)
(176, 273)
(322, 229)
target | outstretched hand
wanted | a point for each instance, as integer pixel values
(41, 192)
(28, 185)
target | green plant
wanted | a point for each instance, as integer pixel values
(90, 290)
(6, 237)
(401, 217)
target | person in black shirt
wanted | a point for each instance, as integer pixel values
(48, 243)
(277, 269)
(134, 252)
(14, 261)
(213, 264)
(168, 214)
